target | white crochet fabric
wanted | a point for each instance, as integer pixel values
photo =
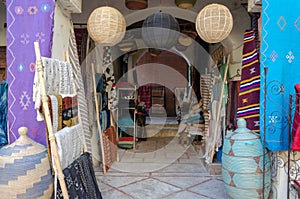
(58, 80)
(69, 144)
(54, 105)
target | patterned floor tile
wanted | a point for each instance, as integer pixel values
(149, 189)
(113, 194)
(117, 181)
(212, 188)
(183, 182)
(186, 195)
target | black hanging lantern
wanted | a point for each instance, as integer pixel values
(160, 30)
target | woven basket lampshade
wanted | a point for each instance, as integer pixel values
(25, 169)
(185, 39)
(128, 45)
(185, 4)
(106, 26)
(160, 31)
(214, 23)
(136, 4)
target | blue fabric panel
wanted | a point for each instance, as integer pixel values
(280, 53)
(3, 113)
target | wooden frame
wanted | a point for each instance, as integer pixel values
(51, 137)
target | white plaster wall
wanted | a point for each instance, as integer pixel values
(62, 27)
(2, 21)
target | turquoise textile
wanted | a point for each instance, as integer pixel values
(280, 53)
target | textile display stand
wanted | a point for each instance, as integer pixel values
(219, 111)
(98, 120)
(51, 137)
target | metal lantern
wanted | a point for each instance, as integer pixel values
(214, 23)
(106, 26)
(160, 31)
(185, 4)
(136, 4)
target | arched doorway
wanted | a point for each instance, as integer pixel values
(161, 95)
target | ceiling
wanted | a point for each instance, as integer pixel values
(238, 9)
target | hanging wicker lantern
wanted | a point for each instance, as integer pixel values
(185, 4)
(136, 4)
(154, 52)
(214, 23)
(160, 31)
(185, 39)
(106, 26)
(128, 45)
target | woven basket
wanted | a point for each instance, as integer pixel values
(106, 26)
(214, 23)
(242, 164)
(25, 170)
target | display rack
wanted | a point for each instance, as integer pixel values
(126, 117)
(158, 101)
(51, 137)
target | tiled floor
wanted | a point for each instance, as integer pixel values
(159, 168)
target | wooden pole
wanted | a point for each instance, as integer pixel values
(48, 121)
(98, 119)
(219, 111)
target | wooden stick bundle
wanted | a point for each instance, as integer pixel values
(219, 111)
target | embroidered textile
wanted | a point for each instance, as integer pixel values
(69, 144)
(248, 100)
(109, 75)
(279, 53)
(80, 179)
(27, 22)
(69, 111)
(58, 80)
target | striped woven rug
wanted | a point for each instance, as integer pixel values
(82, 103)
(248, 99)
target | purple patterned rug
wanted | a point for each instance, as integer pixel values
(27, 21)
